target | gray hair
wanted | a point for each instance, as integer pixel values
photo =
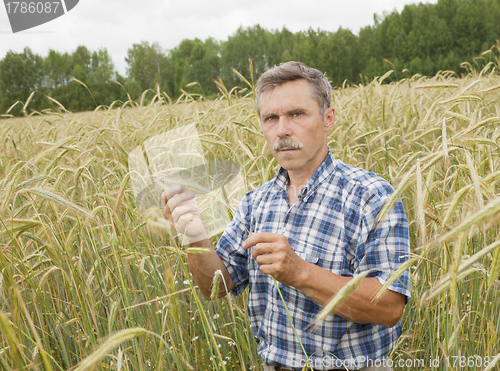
(292, 71)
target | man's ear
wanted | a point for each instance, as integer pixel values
(329, 118)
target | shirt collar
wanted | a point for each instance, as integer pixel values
(322, 172)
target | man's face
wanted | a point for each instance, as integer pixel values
(293, 127)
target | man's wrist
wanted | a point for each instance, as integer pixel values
(195, 240)
(303, 277)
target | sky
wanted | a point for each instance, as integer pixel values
(118, 24)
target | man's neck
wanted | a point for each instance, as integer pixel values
(292, 192)
(298, 180)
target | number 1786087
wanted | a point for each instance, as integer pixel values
(32, 7)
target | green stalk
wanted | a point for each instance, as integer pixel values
(290, 319)
(205, 322)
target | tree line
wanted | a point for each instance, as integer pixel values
(423, 39)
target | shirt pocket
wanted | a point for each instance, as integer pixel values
(308, 257)
(327, 255)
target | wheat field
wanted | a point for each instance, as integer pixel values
(89, 281)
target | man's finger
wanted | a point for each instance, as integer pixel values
(185, 219)
(263, 248)
(172, 191)
(269, 269)
(184, 209)
(167, 194)
(265, 259)
(165, 197)
(179, 199)
(256, 238)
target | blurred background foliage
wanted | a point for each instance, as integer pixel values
(422, 39)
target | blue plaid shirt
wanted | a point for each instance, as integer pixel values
(331, 224)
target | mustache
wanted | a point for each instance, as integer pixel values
(287, 142)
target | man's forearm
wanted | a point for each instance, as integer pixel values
(321, 285)
(203, 268)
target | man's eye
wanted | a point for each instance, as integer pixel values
(297, 114)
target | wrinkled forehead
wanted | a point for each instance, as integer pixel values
(268, 91)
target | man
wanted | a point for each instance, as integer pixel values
(312, 228)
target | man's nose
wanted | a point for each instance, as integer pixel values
(284, 127)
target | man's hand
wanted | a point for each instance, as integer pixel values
(275, 257)
(180, 208)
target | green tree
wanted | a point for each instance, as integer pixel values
(281, 44)
(204, 65)
(373, 68)
(337, 55)
(102, 68)
(80, 98)
(82, 57)
(20, 74)
(254, 43)
(57, 69)
(304, 50)
(195, 61)
(147, 66)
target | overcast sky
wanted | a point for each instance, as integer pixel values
(118, 24)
